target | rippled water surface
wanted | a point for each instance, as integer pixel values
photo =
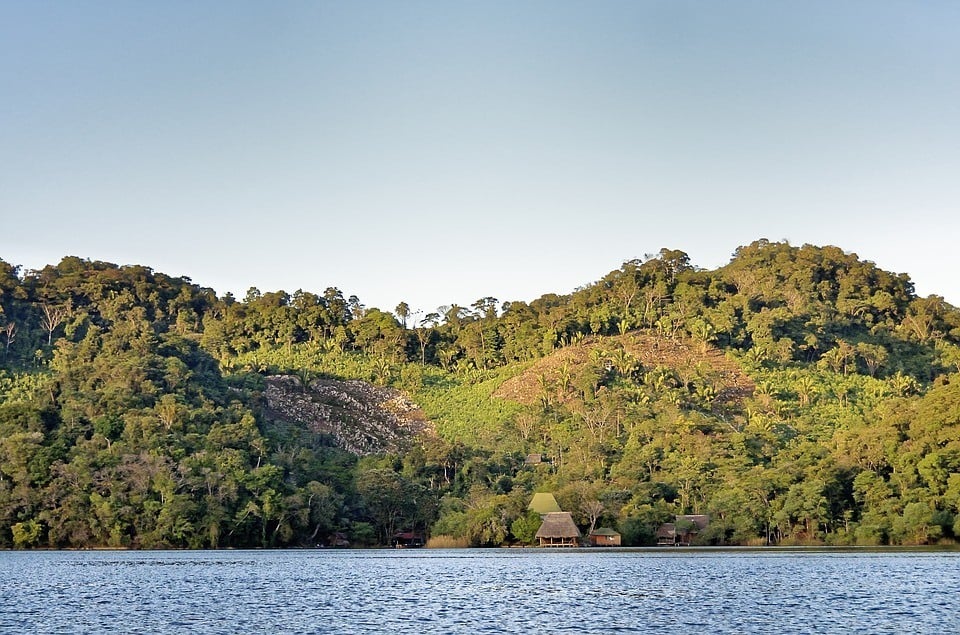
(481, 591)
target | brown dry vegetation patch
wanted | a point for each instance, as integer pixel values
(679, 355)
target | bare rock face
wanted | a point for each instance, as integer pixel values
(363, 418)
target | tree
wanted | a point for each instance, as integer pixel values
(53, 317)
(10, 332)
(424, 334)
(486, 307)
(403, 312)
(383, 493)
(593, 510)
(804, 505)
(453, 316)
(525, 527)
(487, 524)
(904, 385)
(704, 332)
(355, 307)
(321, 508)
(874, 356)
(806, 389)
(27, 534)
(922, 318)
(379, 333)
(916, 525)
(625, 286)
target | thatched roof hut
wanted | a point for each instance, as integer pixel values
(544, 503)
(533, 459)
(558, 530)
(667, 534)
(684, 529)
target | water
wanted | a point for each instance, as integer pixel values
(481, 591)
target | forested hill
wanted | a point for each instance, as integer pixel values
(797, 395)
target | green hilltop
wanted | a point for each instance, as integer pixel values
(797, 395)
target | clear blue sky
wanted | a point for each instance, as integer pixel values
(439, 152)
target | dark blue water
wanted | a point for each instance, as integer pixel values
(481, 591)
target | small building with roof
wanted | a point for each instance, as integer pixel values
(558, 530)
(533, 459)
(604, 537)
(408, 539)
(683, 530)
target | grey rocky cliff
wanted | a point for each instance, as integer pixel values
(363, 418)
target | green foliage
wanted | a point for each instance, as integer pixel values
(797, 394)
(26, 534)
(524, 528)
(638, 531)
(22, 387)
(465, 411)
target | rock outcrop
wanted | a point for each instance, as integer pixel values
(361, 417)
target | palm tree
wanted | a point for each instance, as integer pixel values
(624, 362)
(806, 390)
(563, 380)
(704, 332)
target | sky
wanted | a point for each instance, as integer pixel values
(441, 152)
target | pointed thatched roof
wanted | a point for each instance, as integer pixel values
(605, 531)
(543, 503)
(558, 525)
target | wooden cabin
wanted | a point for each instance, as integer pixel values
(558, 530)
(667, 535)
(683, 531)
(605, 537)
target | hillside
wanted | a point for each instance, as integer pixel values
(647, 351)
(796, 395)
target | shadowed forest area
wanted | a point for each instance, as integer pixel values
(797, 395)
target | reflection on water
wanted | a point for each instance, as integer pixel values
(481, 591)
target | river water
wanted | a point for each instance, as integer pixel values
(481, 591)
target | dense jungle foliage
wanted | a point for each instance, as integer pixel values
(797, 395)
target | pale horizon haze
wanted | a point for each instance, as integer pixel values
(440, 152)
